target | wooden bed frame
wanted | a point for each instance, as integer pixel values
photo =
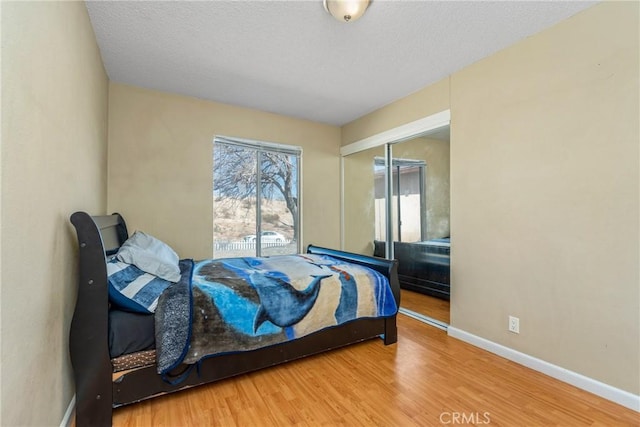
(97, 392)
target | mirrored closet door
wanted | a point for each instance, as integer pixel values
(412, 215)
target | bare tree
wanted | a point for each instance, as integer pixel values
(234, 177)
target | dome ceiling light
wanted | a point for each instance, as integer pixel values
(346, 10)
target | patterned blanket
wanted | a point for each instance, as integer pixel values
(240, 304)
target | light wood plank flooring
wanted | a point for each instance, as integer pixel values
(424, 304)
(426, 379)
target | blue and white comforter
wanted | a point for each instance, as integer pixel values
(241, 304)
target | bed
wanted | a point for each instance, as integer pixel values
(423, 267)
(104, 382)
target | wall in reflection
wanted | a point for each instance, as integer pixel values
(417, 216)
(359, 201)
(364, 213)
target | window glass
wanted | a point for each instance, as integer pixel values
(255, 198)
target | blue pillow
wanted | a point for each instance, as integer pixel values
(132, 289)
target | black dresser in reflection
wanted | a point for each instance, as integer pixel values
(422, 266)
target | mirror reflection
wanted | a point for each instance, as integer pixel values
(419, 217)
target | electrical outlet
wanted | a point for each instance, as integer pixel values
(514, 324)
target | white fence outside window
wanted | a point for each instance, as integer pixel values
(224, 245)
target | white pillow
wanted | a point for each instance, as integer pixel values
(150, 255)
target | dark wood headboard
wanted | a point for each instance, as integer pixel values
(98, 236)
(112, 229)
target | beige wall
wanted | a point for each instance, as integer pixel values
(160, 165)
(54, 152)
(545, 156)
(545, 192)
(359, 198)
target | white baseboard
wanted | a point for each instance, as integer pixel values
(598, 388)
(66, 420)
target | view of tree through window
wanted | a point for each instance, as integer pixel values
(255, 198)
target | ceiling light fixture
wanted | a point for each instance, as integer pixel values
(346, 10)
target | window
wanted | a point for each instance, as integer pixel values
(256, 188)
(409, 202)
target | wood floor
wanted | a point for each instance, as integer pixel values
(424, 304)
(426, 379)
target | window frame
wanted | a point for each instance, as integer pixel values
(396, 164)
(261, 147)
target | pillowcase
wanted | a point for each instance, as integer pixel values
(132, 289)
(150, 255)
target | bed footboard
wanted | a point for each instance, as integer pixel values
(386, 267)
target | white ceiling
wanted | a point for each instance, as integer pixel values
(292, 58)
